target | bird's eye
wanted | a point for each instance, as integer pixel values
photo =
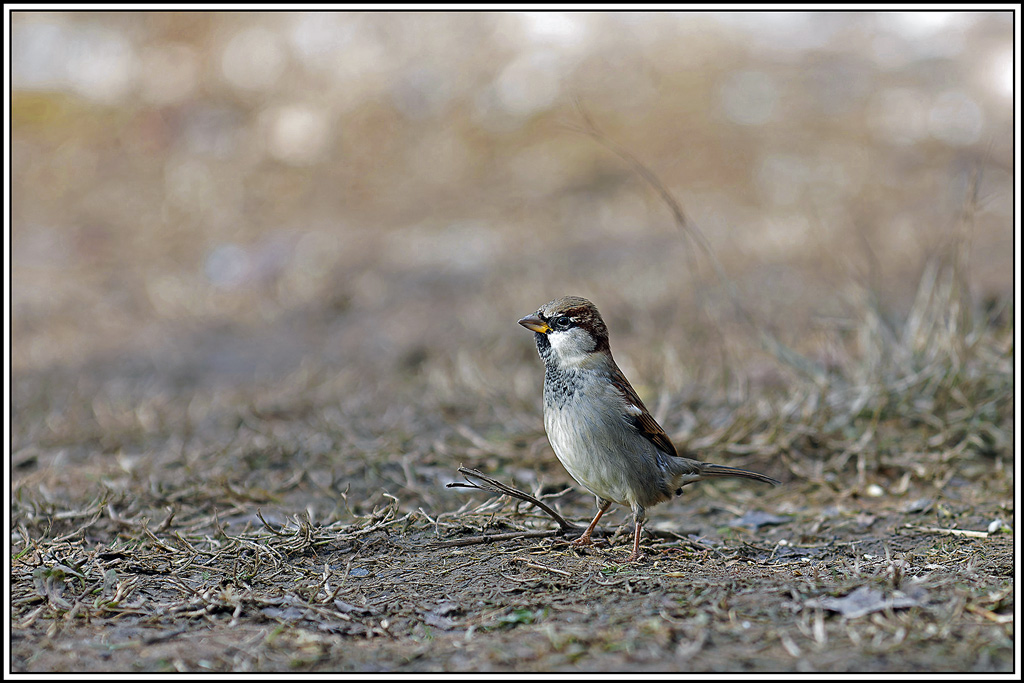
(562, 322)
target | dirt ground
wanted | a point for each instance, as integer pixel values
(261, 317)
(374, 596)
(269, 530)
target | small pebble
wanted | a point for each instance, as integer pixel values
(875, 491)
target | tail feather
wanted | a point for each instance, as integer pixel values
(708, 469)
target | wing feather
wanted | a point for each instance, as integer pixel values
(638, 415)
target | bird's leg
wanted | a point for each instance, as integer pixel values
(639, 514)
(585, 538)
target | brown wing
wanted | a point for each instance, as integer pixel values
(644, 422)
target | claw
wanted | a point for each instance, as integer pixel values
(582, 541)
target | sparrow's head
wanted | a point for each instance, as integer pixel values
(569, 331)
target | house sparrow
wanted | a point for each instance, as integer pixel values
(597, 425)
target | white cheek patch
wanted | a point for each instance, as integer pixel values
(572, 347)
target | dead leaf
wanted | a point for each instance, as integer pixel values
(864, 600)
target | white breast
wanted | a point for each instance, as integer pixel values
(595, 447)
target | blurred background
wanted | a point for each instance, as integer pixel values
(349, 211)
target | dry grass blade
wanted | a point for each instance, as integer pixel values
(537, 565)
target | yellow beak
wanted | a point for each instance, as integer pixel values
(532, 322)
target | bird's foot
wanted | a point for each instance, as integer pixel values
(582, 542)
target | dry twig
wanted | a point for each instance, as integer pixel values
(494, 486)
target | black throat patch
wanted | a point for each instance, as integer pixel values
(560, 385)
